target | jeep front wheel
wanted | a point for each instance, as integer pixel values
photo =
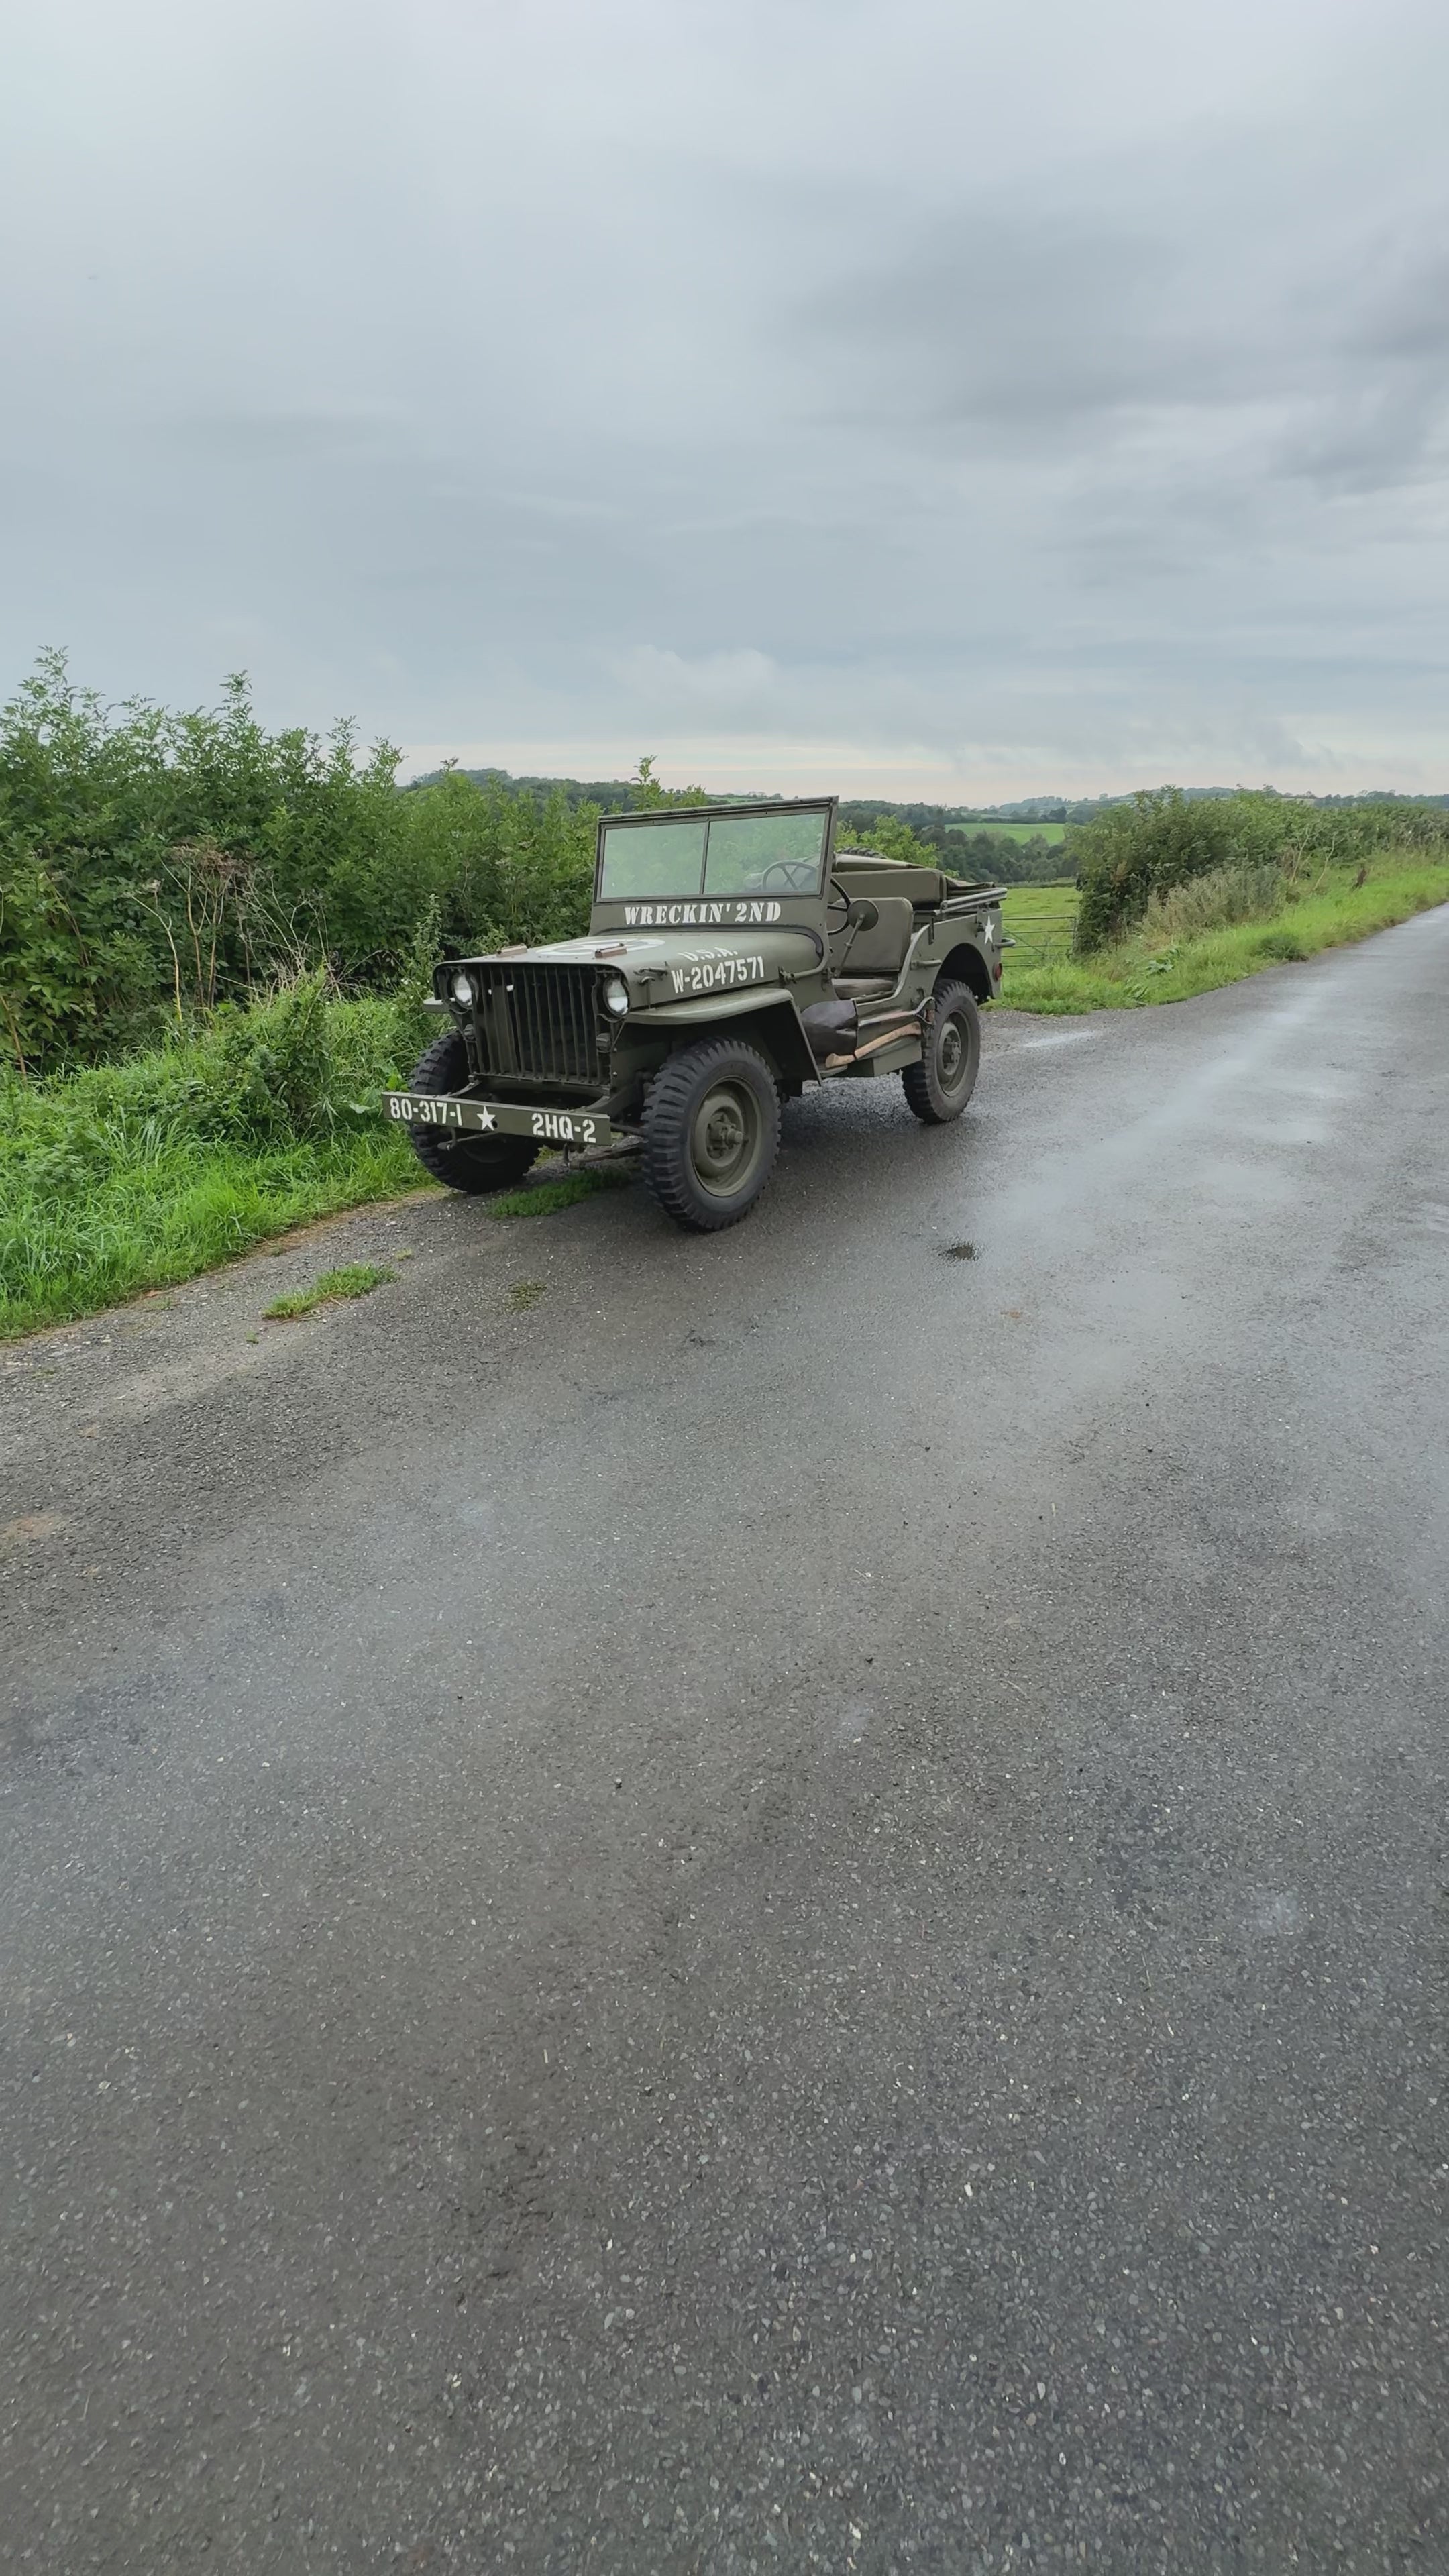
(711, 1131)
(474, 1163)
(939, 1087)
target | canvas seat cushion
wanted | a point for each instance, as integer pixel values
(879, 951)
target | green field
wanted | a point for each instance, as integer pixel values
(1018, 831)
(1041, 919)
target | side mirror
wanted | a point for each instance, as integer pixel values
(862, 914)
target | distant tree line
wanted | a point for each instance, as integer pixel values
(605, 795)
(964, 850)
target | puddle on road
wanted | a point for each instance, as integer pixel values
(1280, 1916)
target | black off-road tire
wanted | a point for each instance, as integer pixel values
(474, 1163)
(938, 1088)
(711, 1131)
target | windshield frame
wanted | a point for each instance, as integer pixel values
(771, 808)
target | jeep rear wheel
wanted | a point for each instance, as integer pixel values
(474, 1163)
(711, 1132)
(939, 1087)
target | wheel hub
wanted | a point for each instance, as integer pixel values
(726, 1139)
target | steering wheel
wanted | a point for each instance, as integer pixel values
(798, 875)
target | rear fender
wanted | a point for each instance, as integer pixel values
(966, 965)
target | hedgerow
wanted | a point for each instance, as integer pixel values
(155, 865)
(1131, 855)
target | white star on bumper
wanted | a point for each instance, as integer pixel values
(486, 1118)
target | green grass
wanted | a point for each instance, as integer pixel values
(355, 1279)
(1042, 975)
(523, 1294)
(545, 1196)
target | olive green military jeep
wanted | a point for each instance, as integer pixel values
(734, 955)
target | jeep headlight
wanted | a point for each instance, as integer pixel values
(616, 995)
(462, 990)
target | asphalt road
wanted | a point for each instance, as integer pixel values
(788, 1909)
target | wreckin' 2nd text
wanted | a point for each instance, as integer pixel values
(739, 913)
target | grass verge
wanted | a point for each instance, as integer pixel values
(545, 1196)
(1043, 976)
(355, 1279)
(153, 1224)
(141, 1173)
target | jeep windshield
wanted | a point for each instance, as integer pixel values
(681, 856)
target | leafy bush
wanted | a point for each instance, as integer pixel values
(889, 838)
(271, 1071)
(154, 865)
(1128, 853)
(497, 865)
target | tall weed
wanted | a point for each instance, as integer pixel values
(1212, 902)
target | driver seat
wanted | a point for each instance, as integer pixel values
(874, 957)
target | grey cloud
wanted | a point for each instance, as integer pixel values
(1384, 418)
(293, 437)
(1021, 320)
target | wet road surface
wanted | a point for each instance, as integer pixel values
(789, 1908)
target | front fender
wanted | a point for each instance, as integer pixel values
(771, 1017)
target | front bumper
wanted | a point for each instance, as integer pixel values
(585, 1130)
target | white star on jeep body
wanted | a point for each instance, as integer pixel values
(486, 1118)
(989, 933)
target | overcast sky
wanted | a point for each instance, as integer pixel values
(963, 398)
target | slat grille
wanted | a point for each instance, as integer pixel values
(538, 1022)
